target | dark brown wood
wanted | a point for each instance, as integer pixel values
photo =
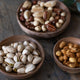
(46, 34)
(17, 39)
(56, 48)
(49, 70)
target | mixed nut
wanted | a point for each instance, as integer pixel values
(20, 57)
(42, 16)
(69, 54)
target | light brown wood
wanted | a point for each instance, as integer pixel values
(56, 47)
(16, 39)
(46, 34)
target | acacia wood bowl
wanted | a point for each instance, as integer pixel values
(13, 39)
(46, 34)
(56, 47)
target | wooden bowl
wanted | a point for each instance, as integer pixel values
(46, 34)
(16, 39)
(56, 47)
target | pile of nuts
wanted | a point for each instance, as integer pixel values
(42, 16)
(20, 57)
(69, 54)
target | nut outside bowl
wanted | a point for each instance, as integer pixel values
(13, 39)
(46, 34)
(63, 67)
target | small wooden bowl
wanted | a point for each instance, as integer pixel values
(56, 47)
(16, 39)
(47, 34)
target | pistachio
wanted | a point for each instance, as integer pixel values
(8, 68)
(33, 45)
(29, 68)
(25, 51)
(10, 55)
(21, 70)
(30, 58)
(36, 60)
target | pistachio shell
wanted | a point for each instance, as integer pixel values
(21, 70)
(25, 51)
(1, 59)
(29, 67)
(8, 68)
(33, 45)
(10, 55)
(36, 60)
(1, 53)
(24, 59)
(30, 58)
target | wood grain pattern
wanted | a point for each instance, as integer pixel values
(9, 27)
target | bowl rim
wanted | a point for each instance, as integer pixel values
(55, 57)
(32, 72)
(44, 33)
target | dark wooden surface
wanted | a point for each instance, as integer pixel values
(49, 70)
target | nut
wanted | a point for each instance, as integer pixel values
(23, 58)
(38, 28)
(8, 68)
(36, 23)
(21, 70)
(25, 51)
(63, 14)
(58, 53)
(29, 68)
(38, 14)
(20, 48)
(27, 14)
(37, 8)
(30, 58)
(33, 45)
(27, 4)
(62, 44)
(50, 4)
(10, 55)
(44, 28)
(37, 60)
(40, 20)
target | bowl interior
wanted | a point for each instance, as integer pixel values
(56, 47)
(17, 39)
(62, 6)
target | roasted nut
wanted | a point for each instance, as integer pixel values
(50, 8)
(51, 27)
(27, 14)
(72, 65)
(38, 14)
(63, 14)
(58, 53)
(63, 51)
(43, 28)
(40, 20)
(23, 59)
(65, 57)
(29, 48)
(29, 67)
(36, 53)
(37, 8)
(53, 14)
(62, 44)
(30, 58)
(37, 60)
(27, 4)
(46, 22)
(20, 48)
(10, 55)
(58, 25)
(33, 45)
(16, 58)
(25, 43)
(21, 70)
(25, 51)
(15, 45)
(60, 21)
(46, 14)
(38, 28)
(35, 23)
(8, 68)
(10, 49)
(61, 58)
(51, 18)
(71, 59)
(50, 4)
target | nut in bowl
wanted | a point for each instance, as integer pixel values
(20, 57)
(66, 54)
(43, 19)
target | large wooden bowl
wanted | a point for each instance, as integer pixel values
(63, 67)
(46, 34)
(16, 39)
